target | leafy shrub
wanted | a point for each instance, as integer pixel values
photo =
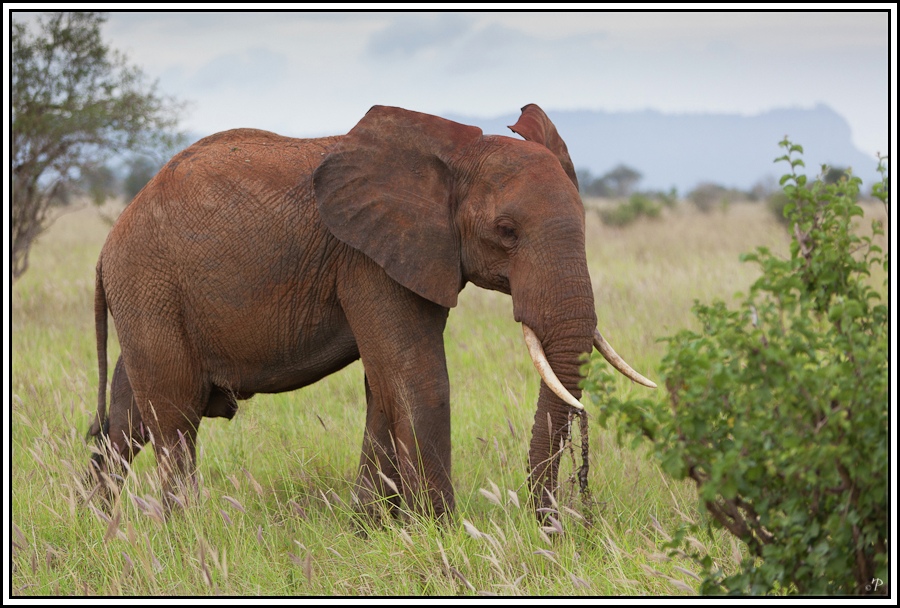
(706, 196)
(638, 205)
(668, 199)
(778, 409)
(777, 202)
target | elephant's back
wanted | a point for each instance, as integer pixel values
(241, 167)
(228, 183)
(221, 213)
(257, 160)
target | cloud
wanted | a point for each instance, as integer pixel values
(313, 73)
(498, 46)
(491, 46)
(256, 68)
(409, 35)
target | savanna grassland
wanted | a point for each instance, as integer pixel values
(272, 516)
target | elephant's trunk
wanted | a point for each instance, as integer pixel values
(554, 301)
(563, 330)
(547, 442)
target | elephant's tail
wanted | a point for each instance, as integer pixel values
(101, 329)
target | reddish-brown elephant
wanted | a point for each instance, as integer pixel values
(256, 263)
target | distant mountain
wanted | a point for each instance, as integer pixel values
(682, 150)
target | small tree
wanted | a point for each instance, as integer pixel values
(778, 410)
(75, 102)
(618, 182)
(621, 180)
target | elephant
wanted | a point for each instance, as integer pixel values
(258, 263)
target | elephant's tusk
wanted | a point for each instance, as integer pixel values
(617, 362)
(543, 367)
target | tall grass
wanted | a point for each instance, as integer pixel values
(272, 516)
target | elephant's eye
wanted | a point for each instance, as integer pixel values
(508, 233)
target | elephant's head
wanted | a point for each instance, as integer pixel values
(438, 204)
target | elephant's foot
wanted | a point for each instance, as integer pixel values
(377, 502)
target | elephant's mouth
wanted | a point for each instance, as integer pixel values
(552, 381)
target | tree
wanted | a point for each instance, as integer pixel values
(617, 182)
(622, 179)
(75, 103)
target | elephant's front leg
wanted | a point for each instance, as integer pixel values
(400, 339)
(378, 483)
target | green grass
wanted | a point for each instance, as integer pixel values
(272, 514)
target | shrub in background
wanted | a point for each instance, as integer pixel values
(638, 206)
(778, 201)
(668, 199)
(707, 196)
(778, 409)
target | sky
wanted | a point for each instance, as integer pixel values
(308, 73)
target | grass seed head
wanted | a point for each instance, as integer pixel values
(470, 529)
(234, 502)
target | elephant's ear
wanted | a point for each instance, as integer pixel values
(387, 189)
(535, 126)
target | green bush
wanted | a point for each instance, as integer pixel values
(707, 195)
(668, 199)
(638, 206)
(778, 409)
(778, 201)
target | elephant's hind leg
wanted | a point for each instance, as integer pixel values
(171, 395)
(121, 438)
